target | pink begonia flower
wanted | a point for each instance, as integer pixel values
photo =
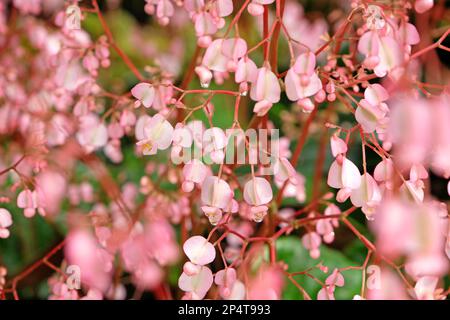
(194, 172)
(214, 143)
(265, 90)
(216, 196)
(246, 72)
(258, 193)
(196, 286)
(283, 170)
(343, 175)
(325, 228)
(31, 201)
(302, 81)
(422, 6)
(234, 49)
(144, 93)
(384, 172)
(162, 9)
(5, 223)
(367, 196)
(92, 133)
(372, 109)
(311, 241)
(199, 250)
(94, 262)
(383, 53)
(154, 133)
(226, 280)
(425, 288)
(335, 279)
(338, 146)
(222, 55)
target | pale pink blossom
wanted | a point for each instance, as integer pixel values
(344, 175)
(265, 90)
(311, 241)
(367, 196)
(372, 109)
(5, 222)
(194, 173)
(199, 250)
(226, 280)
(154, 133)
(301, 80)
(196, 286)
(258, 193)
(31, 201)
(144, 93)
(216, 196)
(283, 170)
(214, 143)
(338, 146)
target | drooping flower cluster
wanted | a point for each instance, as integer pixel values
(133, 154)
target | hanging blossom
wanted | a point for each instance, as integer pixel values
(302, 81)
(258, 193)
(265, 90)
(154, 133)
(217, 197)
(343, 175)
(5, 222)
(372, 111)
(221, 56)
(196, 279)
(384, 42)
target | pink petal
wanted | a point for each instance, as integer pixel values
(198, 284)
(224, 7)
(145, 93)
(199, 250)
(266, 86)
(338, 146)
(375, 94)
(305, 64)
(257, 191)
(216, 192)
(214, 59)
(5, 218)
(234, 48)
